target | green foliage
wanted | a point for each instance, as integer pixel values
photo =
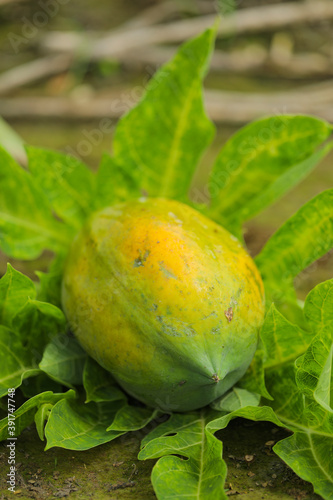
(77, 426)
(28, 412)
(157, 144)
(301, 387)
(156, 148)
(49, 287)
(235, 399)
(16, 363)
(63, 360)
(304, 238)
(26, 325)
(99, 384)
(261, 162)
(15, 290)
(309, 451)
(66, 181)
(203, 474)
(131, 418)
(27, 225)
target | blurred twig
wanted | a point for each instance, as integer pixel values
(244, 21)
(32, 71)
(222, 106)
(253, 58)
(137, 42)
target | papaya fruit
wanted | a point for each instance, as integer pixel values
(166, 300)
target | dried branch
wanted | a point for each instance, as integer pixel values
(244, 21)
(253, 59)
(222, 106)
(33, 71)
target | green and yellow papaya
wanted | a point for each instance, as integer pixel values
(166, 300)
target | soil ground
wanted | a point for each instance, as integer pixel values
(112, 471)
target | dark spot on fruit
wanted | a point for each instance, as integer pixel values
(215, 377)
(229, 314)
(139, 261)
(182, 382)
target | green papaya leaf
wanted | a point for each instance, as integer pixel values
(38, 322)
(40, 383)
(115, 183)
(16, 362)
(315, 370)
(78, 426)
(99, 384)
(26, 413)
(66, 181)
(318, 307)
(309, 455)
(309, 451)
(261, 162)
(235, 399)
(304, 238)
(254, 378)
(132, 418)
(27, 225)
(63, 360)
(283, 184)
(158, 144)
(41, 417)
(15, 290)
(283, 342)
(12, 142)
(49, 287)
(202, 473)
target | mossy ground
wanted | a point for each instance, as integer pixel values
(112, 471)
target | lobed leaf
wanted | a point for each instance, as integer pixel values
(304, 238)
(283, 342)
(11, 141)
(314, 374)
(158, 144)
(309, 451)
(66, 181)
(99, 384)
(37, 323)
(15, 290)
(27, 225)
(235, 399)
(16, 362)
(49, 287)
(40, 383)
(202, 473)
(315, 368)
(254, 378)
(77, 426)
(261, 162)
(63, 360)
(132, 418)
(41, 417)
(318, 307)
(26, 413)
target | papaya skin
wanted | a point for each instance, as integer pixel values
(166, 300)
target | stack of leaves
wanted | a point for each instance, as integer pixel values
(74, 403)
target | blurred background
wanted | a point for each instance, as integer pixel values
(69, 69)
